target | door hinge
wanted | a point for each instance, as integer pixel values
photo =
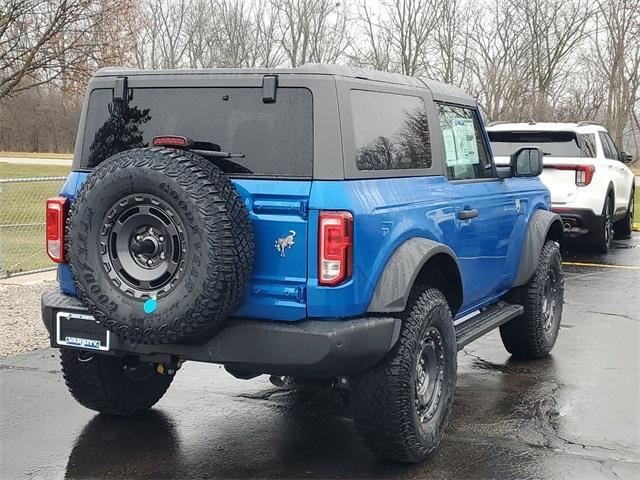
(120, 90)
(301, 294)
(303, 208)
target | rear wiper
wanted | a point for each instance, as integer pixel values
(216, 153)
(208, 149)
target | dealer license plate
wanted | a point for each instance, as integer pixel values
(81, 331)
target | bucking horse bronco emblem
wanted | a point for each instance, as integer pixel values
(285, 242)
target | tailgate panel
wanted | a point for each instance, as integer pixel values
(561, 184)
(279, 213)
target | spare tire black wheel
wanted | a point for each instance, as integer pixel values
(160, 245)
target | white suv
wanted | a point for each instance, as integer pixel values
(591, 187)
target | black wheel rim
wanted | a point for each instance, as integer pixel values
(143, 246)
(550, 301)
(429, 374)
(632, 206)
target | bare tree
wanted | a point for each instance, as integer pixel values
(497, 61)
(411, 23)
(266, 43)
(452, 42)
(374, 50)
(554, 29)
(617, 48)
(312, 30)
(41, 39)
(397, 36)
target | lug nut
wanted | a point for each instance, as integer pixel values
(161, 238)
(138, 237)
(149, 262)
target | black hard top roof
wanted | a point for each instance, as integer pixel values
(439, 90)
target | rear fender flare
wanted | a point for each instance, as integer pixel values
(400, 273)
(542, 225)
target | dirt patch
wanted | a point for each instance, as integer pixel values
(21, 328)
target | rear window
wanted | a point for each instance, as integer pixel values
(275, 138)
(553, 144)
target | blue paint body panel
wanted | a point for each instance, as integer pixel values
(387, 212)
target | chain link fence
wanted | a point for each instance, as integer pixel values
(22, 224)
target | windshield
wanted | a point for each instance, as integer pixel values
(553, 144)
(276, 139)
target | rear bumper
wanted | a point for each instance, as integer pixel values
(309, 348)
(578, 221)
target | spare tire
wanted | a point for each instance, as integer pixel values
(160, 245)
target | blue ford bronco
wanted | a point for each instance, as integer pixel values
(321, 222)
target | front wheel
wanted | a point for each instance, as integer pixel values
(533, 334)
(106, 384)
(401, 407)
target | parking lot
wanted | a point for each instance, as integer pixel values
(572, 415)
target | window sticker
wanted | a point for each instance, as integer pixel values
(450, 147)
(465, 142)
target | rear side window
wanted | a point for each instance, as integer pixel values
(275, 138)
(553, 144)
(391, 131)
(464, 146)
(588, 145)
(610, 149)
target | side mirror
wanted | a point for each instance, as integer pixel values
(527, 162)
(625, 157)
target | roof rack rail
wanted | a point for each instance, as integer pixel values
(588, 122)
(497, 122)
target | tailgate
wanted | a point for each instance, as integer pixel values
(279, 213)
(561, 182)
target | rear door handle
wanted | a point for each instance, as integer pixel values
(467, 213)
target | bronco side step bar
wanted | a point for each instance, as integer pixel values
(485, 321)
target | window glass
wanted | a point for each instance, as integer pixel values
(588, 145)
(275, 138)
(390, 131)
(606, 148)
(465, 151)
(610, 149)
(553, 144)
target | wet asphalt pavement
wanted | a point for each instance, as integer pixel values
(575, 414)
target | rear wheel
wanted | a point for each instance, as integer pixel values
(600, 240)
(533, 334)
(624, 226)
(106, 384)
(402, 406)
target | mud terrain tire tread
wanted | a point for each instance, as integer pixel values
(229, 244)
(100, 384)
(524, 336)
(382, 398)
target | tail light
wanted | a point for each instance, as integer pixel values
(56, 209)
(584, 173)
(336, 247)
